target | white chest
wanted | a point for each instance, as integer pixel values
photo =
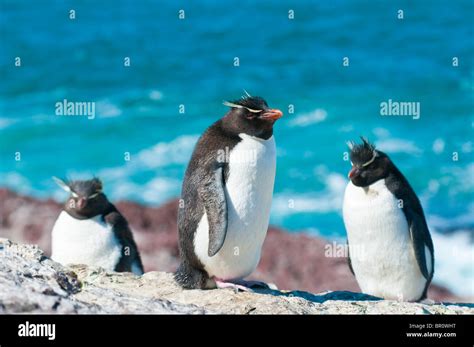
(249, 191)
(88, 241)
(381, 249)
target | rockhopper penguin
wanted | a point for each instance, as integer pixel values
(390, 247)
(91, 231)
(227, 193)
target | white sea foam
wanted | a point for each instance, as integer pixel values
(155, 95)
(177, 151)
(459, 178)
(305, 119)
(20, 184)
(159, 188)
(107, 109)
(327, 200)
(467, 147)
(395, 145)
(438, 146)
(454, 261)
(160, 155)
(16, 181)
(381, 132)
(347, 128)
(155, 191)
(6, 122)
(457, 222)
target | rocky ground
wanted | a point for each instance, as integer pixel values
(30, 282)
(291, 261)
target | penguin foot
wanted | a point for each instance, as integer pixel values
(257, 284)
(235, 286)
(246, 286)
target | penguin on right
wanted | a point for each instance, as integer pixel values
(390, 248)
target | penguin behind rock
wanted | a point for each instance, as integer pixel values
(91, 231)
(227, 194)
(390, 247)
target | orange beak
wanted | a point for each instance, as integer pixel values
(272, 114)
(354, 172)
(81, 203)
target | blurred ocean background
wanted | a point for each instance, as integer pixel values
(288, 62)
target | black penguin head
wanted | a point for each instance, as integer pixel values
(368, 164)
(252, 116)
(86, 199)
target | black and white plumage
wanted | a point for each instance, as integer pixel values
(227, 193)
(391, 251)
(90, 230)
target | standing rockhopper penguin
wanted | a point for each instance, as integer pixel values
(227, 194)
(391, 251)
(91, 231)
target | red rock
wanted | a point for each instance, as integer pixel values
(290, 260)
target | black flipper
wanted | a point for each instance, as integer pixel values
(212, 196)
(421, 239)
(349, 262)
(418, 228)
(120, 228)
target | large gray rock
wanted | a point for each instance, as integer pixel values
(31, 282)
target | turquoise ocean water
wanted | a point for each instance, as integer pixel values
(292, 63)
